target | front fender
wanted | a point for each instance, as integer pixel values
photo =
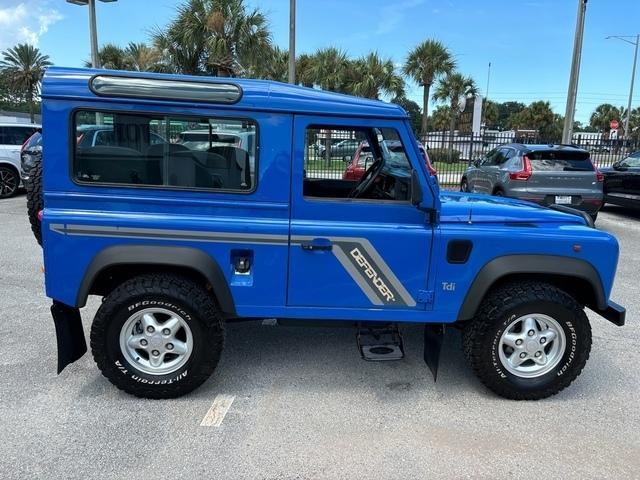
(501, 267)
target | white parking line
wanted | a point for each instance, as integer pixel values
(218, 410)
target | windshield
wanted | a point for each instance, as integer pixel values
(631, 161)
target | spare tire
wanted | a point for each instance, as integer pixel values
(35, 200)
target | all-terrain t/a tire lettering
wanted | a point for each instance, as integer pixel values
(533, 302)
(163, 370)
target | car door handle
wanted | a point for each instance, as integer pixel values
(320, 244)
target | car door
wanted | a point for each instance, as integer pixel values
(481, 182)
(348, 253)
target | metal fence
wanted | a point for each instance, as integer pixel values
(338, 156)
(451, 155)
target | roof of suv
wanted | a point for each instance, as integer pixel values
(264, 95)
(9, 124)
(533, 147)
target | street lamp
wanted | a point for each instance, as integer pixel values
(95, 63)
(625, 38)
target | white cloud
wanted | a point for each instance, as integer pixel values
(392, 15)
(25, 22)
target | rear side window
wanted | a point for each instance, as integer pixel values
(120, 148)
(560, 161)
(15, 135)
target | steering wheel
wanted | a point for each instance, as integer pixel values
(367, 179)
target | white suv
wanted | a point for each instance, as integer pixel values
(12, 136)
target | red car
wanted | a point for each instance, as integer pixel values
(363, 158)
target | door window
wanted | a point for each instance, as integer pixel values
(15, 135)
(378, 152)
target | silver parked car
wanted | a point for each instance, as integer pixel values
(544, 174)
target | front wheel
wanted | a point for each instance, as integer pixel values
(464, 186)
(157, 336)
(528, 341)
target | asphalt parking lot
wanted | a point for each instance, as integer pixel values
(305, 405)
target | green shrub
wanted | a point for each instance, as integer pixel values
(442, 155)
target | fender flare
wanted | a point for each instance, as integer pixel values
(524, 264)
(183, 257)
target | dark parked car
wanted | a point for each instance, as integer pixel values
(544, 174)
(622, 182)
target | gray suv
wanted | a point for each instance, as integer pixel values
(544, 174)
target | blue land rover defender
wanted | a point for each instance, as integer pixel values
(186, 202)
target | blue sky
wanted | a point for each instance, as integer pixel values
(528, 42)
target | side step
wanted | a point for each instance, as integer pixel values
(379, 344)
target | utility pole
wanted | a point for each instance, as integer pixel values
(625, 38)
(93, 33)
(292, 41)
(567, 131)
(486, 92)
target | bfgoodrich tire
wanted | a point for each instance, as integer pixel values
(157, 336)
(528, 341)
(35, 200)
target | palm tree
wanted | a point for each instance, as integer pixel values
(142, 58)
(603, 114)
(110, 56)
(452, 88)
(329, 69)
(23, 66)
(274, 65)
(371, 76)
(219, 37)
(304, 66)
(425, 63)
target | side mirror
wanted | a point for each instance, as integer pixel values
(476, 163)
(346, 158)
(416, 189)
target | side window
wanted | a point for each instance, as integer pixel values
(16, 135)
(489, 159)
(165, 151)
(336, 160)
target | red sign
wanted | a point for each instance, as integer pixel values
(614, 124)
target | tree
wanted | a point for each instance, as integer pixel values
(490, 114)
(414, 112)
(329, 69)
(110, 56)
(425, 63)
(450, 89)
(540, 117)
(304, 73)
(274, 65)
(371, 75)
(603, 115)
(23, 67)
(218, 37)
(440, 118)
(143, 58)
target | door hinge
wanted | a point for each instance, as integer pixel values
(425, 296)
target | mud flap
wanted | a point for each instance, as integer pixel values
(433, 338)
(69, 334)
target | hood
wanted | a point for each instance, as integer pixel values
(477, 208)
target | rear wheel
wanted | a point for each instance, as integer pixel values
(498, 193)
(528, 341)
(35, 200)
(464, 186)
(9, 181)
(157, 336)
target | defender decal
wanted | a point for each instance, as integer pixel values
(357, 255)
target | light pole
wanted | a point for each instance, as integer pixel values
(567, 131)
(95, 62)
(292, 41)
(625, 38)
